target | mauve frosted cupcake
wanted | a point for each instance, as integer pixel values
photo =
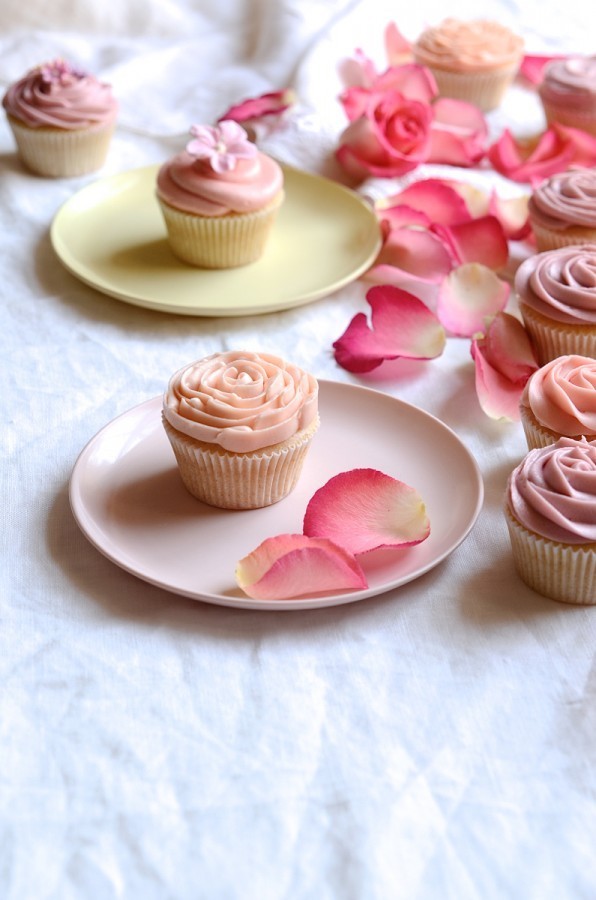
(562, 209)
(240, 424)
(62, 119)
(550, 509)
(474, 61)
(219, 198)
(559, 400)
(557, 299)
(568, 92)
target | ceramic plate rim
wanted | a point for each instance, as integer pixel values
(105, 188)
(80, 513)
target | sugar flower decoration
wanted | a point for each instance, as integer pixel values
(60, 72)
(221, 145)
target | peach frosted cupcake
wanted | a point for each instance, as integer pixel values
(474, 61)
(62, 119)
(219, 198)
(240, 425)
(562, 209)
(550, 509)
(557, 299)
(559, 400)
(568, 92)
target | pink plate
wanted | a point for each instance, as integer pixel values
(127, 498)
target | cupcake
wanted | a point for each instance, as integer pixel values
(240, 425)
(557, 299)
(219, 198)
(562, 209)
(474, 61)
(62, 119)
(568, 92)
(559, 400)
(550, 509)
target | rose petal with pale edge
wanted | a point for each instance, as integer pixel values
(293, 565)
(458, 134)
(401, 215)
(364, 510)
(467, 296)
(507, 347)
(397, 48)
(271, 104)
(534, 160)
(478, 241)
(401, 326)
(418, 252)
(441, 203)
(532, 66)
(512, 213)
(583, 144)
(475, 199)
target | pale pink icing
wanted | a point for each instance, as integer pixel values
(191, 185)
(562, 395)
(565, 200)
(553, 491)
(560, 284)
(240, 400)
(571, 83)
(468, 46)
(77, 100)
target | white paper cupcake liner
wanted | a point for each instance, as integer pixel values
(60, 153)
(569, 117)
(551, 339)
(219, 242)
(560, 571)
(240, 480)
(483, 89)
(553, 240)
(539, 436)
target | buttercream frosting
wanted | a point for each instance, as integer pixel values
(55, 95)
(571, 83)
(560, 284)
(468, 46)
(191, 185)
(561, 395)
(240, 400)
(565, 200)
(552, 492)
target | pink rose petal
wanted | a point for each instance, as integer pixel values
(459, 133)
(397, 48)
(480, 240)
(512, 213)
(583, 144)
(439, 200)
(532, 161)
(411, 80)
(503, 360)
(467, 296)
(400, 215)
(475, 199)
(418, 252)
(532, 66)
(401, 326)
(292, 565)
(271, 104)
(364, 510)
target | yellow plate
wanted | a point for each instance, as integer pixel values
(111, 235)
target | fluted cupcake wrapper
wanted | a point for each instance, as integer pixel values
(552, 339)
(59, 153)
(240, 480)
(483, 89)
(560, 571)
(563, 115)
(219, 242)
(554, 240)
(539, 436)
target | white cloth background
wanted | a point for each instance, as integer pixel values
(437, 741)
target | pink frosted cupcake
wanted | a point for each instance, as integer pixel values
(474, 61)
(559, 400)
(240, 425)
(568, 92)
(550, 509)
(557, 299)
(62, 119)
(219, 198)
(562, 209)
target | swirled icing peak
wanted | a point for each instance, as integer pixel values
(565, 200)
(240, 400)
(553, 491)
(562, 395)
(219, 173)
(477, 44)
(57, 95)
(570, 81)
(560, 284)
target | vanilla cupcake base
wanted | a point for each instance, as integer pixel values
(564, 572)
(546, 239)
(59, 153)
(551, 339)
(483, 89)
(240, 480)
(538, 435)
(561, 115)
(219, 242)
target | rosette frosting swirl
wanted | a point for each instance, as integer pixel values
(562, 395)
(478, 44)
(571, 82)
(553, 491)
(241, 401)
(561, 284)
(566, 200)
(57, 96)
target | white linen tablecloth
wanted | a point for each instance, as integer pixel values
(436, 741)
